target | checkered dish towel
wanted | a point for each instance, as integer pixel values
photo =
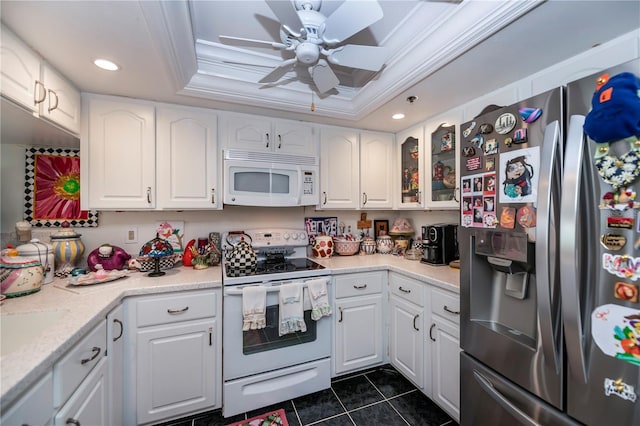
(254, 300)
(291, 309)
(319, 298)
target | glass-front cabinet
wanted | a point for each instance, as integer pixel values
(411, 171)
(442, 161)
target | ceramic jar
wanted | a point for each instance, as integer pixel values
(67, 250)
(322, 246)
(384, 244)
(43, 252)
(19, 275)
(368, 246)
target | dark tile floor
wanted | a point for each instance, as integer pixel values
(376, 397)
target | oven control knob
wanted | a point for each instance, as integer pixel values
(286, 236)
(303, 236)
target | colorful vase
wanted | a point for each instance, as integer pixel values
(67, 250)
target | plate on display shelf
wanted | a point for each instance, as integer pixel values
(91, 278)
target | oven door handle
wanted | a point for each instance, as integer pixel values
(270, 289)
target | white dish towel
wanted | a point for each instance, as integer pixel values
(291, 309)
(254, 301)
(319, 298)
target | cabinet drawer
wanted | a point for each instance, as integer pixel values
(78, 363)
(446, 305)
(358, 284)
(407, 288)
(176, 307)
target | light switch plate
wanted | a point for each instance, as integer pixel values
(132, 235)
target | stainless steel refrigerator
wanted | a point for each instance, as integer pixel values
(550, 265)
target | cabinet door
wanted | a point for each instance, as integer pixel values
(88, 405)
(358, 333)
(115, 365)
(294, 138)
(410, 148)
(19, 72)
(248, 133)
(176, 369)
(339, 169)
(62, 104)
(406, 339)
(119, 155)
(376, 170)
(186, 150)
(34, 408)
(442, 158)
(446, 365)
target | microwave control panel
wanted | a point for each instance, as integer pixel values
(307, 183)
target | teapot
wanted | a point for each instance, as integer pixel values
(449, 179)
(438, 171)
(241, 260)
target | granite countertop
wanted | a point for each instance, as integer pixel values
(83, 308)
(443, 276)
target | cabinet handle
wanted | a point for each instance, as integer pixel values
(419, 197)
(267, 135)
(430, 332)
(36, 91)
(96, 352)
(340, 309)
(360, 287)
(364, 198)
(414, 322)
(117, 321)
(213, 195)
(178, 311)
(51, 108)
(403, 290)
(450, 311)
(279, 141)
(210, 336)
(149, 194)
(456, 195)
(71, 421)
(324, 198)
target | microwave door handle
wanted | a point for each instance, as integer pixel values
(300, 188)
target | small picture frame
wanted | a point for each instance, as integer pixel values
(380, 226)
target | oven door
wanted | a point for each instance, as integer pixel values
(258, 351)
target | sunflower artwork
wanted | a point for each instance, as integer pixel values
(52, 189)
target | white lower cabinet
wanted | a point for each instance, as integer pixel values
(115, 364)
(88, 405)
(35, 408)
(178, 363)
(359, 321)
(406, 333)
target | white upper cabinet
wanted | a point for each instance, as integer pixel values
(28, 81)
(118, 163)
(376, 170)
(253, 133)
(410, 158)
(187, 158)
(339, 168)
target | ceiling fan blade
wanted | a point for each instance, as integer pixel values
(287, 15)
(350, 18)
(279, 71)
(323, 76)
(252, 41)
(370, 58)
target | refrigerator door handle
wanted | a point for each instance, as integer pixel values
(549, 173)
(569, 250)
(488, 387)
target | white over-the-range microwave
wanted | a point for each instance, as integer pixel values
(270, 179)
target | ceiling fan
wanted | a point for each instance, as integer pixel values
(310, 35)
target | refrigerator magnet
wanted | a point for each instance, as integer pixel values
(526, 217)
(619, 222)
(519, 176)
(473, 163)
(490, 220)
(485, 128)
(467, 132)
(613, 242)
(616, 331)
(490, 147)
(636, 245)
(489, 184)
(477, 141)
(489, 163)
(508, 217)
(622, 266)
(505, 123)
(625, 291)
(520, 135)
(529, 115)
(619, 388)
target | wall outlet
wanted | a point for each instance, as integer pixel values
(132, 235)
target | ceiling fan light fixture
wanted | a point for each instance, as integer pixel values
(106, 64)
(398, 116)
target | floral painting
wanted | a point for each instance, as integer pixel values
(52, 189)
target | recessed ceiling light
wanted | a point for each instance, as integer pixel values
(106, 64)
(398, 116)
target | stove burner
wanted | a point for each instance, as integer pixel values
(275, 258)
(278, 264)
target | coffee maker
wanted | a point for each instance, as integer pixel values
(440, 243)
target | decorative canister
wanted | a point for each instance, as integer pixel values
(384, 244)
(368, 246)
(19, 275)
(322, 246)
(67, 249)
(43, 252)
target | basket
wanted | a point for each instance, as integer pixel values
(148, 263)
(346, 248)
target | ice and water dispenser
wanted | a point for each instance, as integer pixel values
(503, 290)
